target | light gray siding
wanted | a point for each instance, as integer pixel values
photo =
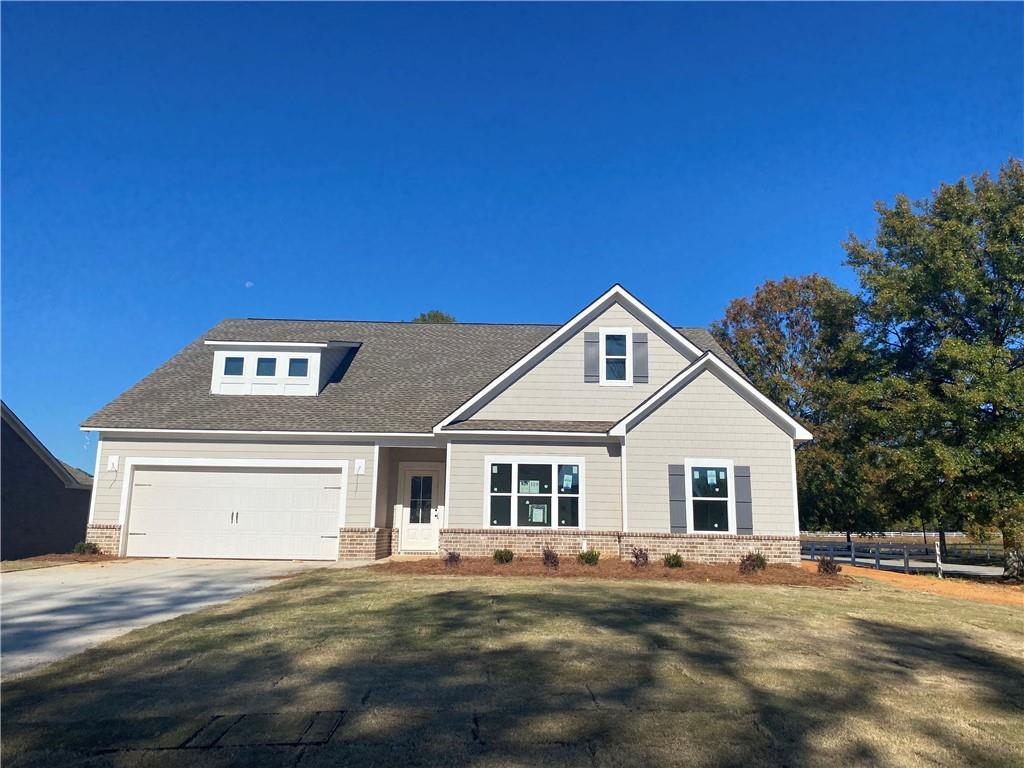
(707, 419)
(108, 483)
(554, 388)
(387, 490)
(602, 482)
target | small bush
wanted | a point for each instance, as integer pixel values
(752, 562)
(550, 557)
(87, 548)
(503, 555)
(588, 557)
(828, 567)
(640, 557)
(674, 560)
(451, 558)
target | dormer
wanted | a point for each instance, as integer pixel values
(275, 368)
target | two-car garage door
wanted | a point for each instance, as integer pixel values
(269, 513)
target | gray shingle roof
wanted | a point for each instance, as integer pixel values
(405, 377)
(523, 425)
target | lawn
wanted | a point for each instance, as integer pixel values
(362, 667)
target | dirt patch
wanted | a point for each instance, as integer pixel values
(994, 594)
(615, 569)
(48, 561)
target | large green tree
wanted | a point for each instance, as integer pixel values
(433, 316)
(943, 323)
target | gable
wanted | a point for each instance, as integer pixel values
(554, 387)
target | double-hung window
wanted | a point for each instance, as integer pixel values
(712, 496)
(616, 356)
(534, 492)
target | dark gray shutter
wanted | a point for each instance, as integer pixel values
(639, 358)
(744, 502)
(677, 497)
(591, 357)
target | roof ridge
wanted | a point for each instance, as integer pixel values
(383, 322)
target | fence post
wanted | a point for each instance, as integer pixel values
(906, 559)
(878, 559)
(938, 560)
(831, 547)
(853, 553)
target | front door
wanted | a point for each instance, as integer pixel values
(420, 507)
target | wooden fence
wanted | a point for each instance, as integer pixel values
(873, 555)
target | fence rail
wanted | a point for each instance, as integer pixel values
(872, 555)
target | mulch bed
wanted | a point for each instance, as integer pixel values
(615, 569)
(71, 557)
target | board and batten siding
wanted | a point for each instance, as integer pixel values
(707, 419)
(554, 388)
(602, 481)
(109, 483)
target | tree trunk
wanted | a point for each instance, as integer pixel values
(1013, 551)
(942, 545)
(924, 533)
(849, 537)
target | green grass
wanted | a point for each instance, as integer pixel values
(512, 671)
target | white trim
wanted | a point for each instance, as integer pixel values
(614, 294)
(373, 491)
(796, 500)
(730, 502)
(447, 482)
(133, 430)
(603, 357)
(405, 468)
(135, 462)
(625, 495)
(95, 481)
(295, 344)
(711, 362)
(515, 461)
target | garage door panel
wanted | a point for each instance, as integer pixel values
(272, 514)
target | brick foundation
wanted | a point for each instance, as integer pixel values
(105, 536)
(471, 542)
(366, 543)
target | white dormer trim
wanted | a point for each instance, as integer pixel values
(615, 294)
(282, 344)
(711, 362)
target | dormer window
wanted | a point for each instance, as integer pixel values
(276, 367)
(616, 356)
(298, 367)
(266, 366)
(233, 366)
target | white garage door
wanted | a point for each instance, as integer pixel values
(252, 513)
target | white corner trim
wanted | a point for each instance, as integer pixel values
(373, 490)
(575, 324)
(625, 494)
(447, 482)
(796, 499)
(709, 361)
(132, 463)
(95, 480)
(731, 501)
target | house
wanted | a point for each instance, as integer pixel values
(319, 440)
(44, 503)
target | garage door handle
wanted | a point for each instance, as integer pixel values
(136, 534)
(329, 537)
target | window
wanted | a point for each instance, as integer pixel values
(266, 366)
(420, 497)
(534, 492)
(712, 501)
(298, 366)
(233, 366)
(616, 356)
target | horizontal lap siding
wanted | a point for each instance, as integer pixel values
(108, 483)
(554, 388)
(602, 487)
(708, 419)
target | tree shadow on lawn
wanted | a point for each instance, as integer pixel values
(580, 675)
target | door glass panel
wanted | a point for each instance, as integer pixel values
(421, 491)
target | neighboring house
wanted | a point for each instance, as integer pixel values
(44, 503)
(318, 440)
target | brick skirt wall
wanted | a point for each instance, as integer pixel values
(105, 536)
(366, 543)
(475, 542)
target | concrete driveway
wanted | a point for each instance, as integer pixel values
(51, 613)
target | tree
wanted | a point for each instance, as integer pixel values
(434, 316)
(943, 322)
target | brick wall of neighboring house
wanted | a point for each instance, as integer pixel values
(106, 536)
(471, 542)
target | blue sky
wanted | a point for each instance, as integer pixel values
(166, 166)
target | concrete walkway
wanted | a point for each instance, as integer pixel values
(48, 614)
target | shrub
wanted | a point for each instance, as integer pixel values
(640, 557)
(87, 548)
(588, 557)
(828, 567)
(451, 558)
(503, 555)
(550, 557)
(753, 561)
(674, 560)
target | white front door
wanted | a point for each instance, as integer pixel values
(421, 493)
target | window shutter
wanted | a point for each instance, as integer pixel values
(591, 357)
(639, 358)
(744, 502)
(677, 497)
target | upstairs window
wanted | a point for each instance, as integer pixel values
(298, 366)
(233, 366)
(266, 366)
(616, 357)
